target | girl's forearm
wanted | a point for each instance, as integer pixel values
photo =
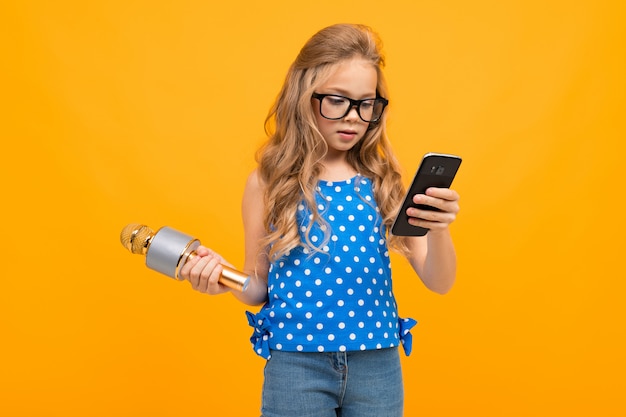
(255, 294)
(438, 271)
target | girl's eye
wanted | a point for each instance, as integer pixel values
(336, 101)
(367, 105)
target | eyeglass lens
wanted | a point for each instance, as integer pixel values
(337, 107)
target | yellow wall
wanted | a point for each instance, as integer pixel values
(140, 111)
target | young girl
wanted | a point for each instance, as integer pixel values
(316, 215)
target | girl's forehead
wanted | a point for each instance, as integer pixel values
(354, 76)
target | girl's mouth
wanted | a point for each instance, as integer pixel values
(347, 134)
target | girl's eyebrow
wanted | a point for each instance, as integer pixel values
(340, 91)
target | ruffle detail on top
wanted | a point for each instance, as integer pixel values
(261, 335)
(406, 338)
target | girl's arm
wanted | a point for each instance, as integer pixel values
(203, 271)
(256, 264)
(433, 256)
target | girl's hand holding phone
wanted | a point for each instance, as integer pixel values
(446, 203)
(429, 202)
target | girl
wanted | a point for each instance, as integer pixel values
(316, 213)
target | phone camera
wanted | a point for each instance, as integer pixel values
(437, 170)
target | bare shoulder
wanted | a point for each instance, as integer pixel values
(254, 179)
(254, 185)
(253, 195)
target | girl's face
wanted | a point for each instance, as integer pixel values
(354, 78)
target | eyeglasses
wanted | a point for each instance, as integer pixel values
(335, 107)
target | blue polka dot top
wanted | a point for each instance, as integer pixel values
(338, 299)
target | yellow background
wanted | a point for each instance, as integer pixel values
(115, 112)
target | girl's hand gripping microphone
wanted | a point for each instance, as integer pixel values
(167, 250)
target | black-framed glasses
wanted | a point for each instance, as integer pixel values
(335, 107)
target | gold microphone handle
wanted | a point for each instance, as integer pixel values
(230, 277)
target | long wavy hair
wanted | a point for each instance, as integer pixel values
(289, 161)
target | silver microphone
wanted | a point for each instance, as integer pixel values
(167, 250)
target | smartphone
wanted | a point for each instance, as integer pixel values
(436, 170)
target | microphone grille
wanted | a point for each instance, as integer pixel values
(136, 238)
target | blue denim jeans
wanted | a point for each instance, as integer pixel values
(345, 384)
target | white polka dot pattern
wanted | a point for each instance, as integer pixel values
(341, 298)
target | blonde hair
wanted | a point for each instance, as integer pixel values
(289, 162)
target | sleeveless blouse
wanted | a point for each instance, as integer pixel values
(339, 298)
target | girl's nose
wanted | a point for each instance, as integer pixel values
(353, 114)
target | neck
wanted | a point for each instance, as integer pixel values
(336, 168)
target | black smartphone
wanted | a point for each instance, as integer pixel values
(436, 170)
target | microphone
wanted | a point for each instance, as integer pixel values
(167, 250)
